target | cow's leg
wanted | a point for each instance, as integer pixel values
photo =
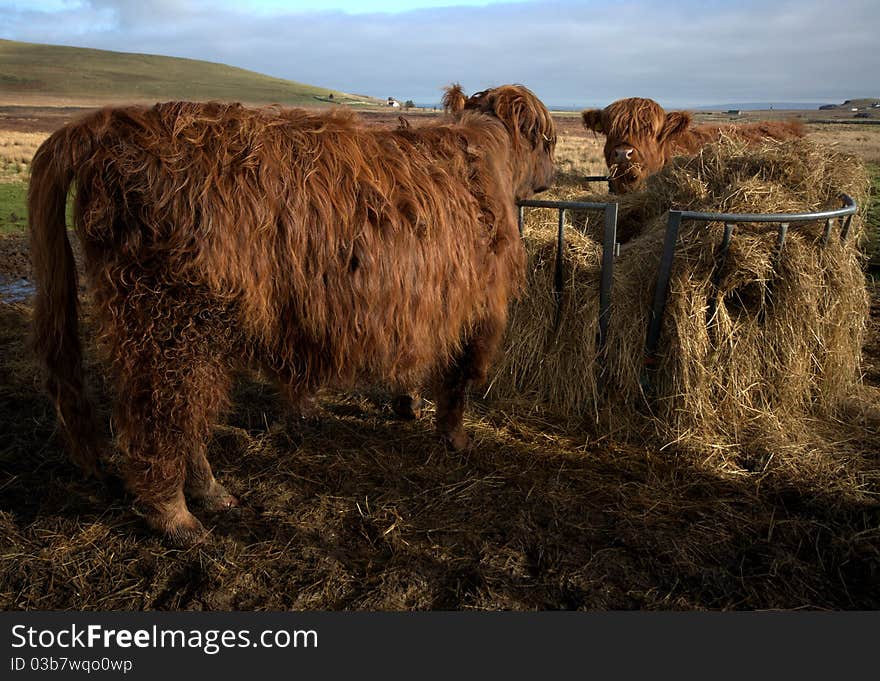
(300, 398)
(407, 406)
(450, 405)
(472, 366)
(170, 393)
(201, 486)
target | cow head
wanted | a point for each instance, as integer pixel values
(639, 139)
(531, 129)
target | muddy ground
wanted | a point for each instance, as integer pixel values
(357, 510)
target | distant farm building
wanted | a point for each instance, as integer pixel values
(393, 103)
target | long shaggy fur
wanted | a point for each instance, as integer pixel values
(641, 138)
(326, 252)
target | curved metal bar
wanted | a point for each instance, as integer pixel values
(676, 217)
(849, 208)
(566, 205)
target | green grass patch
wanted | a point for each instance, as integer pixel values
(74, 72)
(13, 207)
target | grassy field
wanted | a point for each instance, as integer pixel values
(13, 208)
(16, 150)
(357, 510)
(860, 140)
(31, 73)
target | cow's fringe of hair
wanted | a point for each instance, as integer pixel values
(523, 116)
(634, 116)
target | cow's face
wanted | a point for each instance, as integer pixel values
(543, 169)
(639, 139)
(532, 130)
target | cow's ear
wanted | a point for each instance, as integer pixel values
(592, 119)
(676, 123)
(454, 98)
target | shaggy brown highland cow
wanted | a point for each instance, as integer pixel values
(640, 137)
(323, 251)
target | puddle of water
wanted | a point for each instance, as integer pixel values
(15, 290)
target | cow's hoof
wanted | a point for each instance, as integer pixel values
(458, 441)
(407, 407)
(187, 536)
(306, 410)
(181, 531)
(217, 498)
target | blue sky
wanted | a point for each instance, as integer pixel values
(355, 7)
(572, 53)
(289, 6)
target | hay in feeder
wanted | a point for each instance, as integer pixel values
(756, 345)
(549, 355)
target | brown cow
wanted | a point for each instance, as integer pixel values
(640, 137)
(323, 251)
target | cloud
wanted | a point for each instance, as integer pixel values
(571, 53)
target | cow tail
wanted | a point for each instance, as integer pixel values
(56, 326)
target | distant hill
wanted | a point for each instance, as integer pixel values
(850, 104)
(42, 74)
(762, 106)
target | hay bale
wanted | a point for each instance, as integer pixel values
(780, 338)
(779, 177)
(541, 362)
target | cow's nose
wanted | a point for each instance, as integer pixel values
(622, 154)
